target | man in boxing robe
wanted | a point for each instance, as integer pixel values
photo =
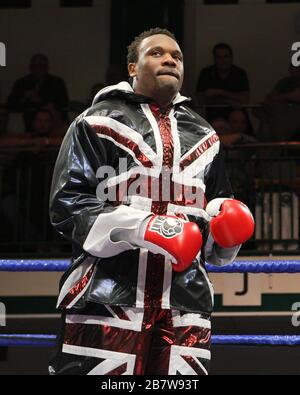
(140, 190)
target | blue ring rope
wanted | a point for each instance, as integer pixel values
(258, 340)
(259, 266)
(61, 265)
(277, 266)
(21, 340)
(15, 340)
(34, 265)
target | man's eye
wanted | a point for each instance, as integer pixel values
(156, 53)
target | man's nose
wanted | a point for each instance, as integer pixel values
(169, 60)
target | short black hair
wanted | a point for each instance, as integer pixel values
(222, 46)
(133, 48)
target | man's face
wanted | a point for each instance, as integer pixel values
(223, 59)
(43, 124)
(221, 126)
(238, 122)
(159, 69)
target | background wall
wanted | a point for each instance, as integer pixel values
(261, 36)
(76, 40)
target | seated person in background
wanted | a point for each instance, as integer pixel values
(60, 121)
(241, 127)
(280, 113)
(27, 218)
(287, 90)
(234, 131)
(44, 132)
(48, 128)
(237, 129)
(43, 124)
(37, 88)
(221, 126)
(223, 82)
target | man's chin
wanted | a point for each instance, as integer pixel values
(170, 84)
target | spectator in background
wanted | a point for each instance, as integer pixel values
(60, 122)
(30, 216)
(237, 129)
(36, 89)
(16, 216)
(241, 129)
(43, 124)
(239, 122)
(222, 82)
(221, 126)
(280, 113)
(287, 90)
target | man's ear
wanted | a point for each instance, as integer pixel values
(132, 70)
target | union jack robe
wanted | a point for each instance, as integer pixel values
(123, 132)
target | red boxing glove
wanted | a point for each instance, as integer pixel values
(232, 223)
(170, 235)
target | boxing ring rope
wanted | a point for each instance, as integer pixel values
(60, 265)
(16, 340)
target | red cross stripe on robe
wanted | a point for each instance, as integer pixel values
(162, 190)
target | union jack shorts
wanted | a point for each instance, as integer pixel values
(113, 340)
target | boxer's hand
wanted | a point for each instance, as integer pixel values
(232, 222)
(174, 237)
